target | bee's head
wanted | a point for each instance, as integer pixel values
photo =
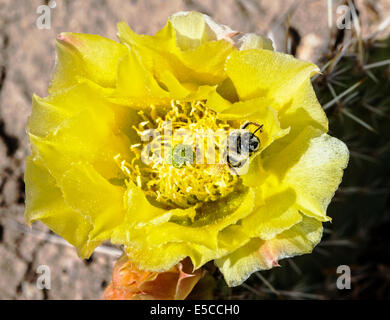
(243, 141)
(250, 142)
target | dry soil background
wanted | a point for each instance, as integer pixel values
(26, 60)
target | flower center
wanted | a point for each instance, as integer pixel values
(179, 162)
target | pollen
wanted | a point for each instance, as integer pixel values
(192, 132)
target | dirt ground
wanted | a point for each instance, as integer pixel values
(27, 56)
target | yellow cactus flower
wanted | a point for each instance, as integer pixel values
(110, 160)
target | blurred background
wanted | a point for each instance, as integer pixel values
(349, 40)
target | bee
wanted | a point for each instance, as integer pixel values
(241, 144)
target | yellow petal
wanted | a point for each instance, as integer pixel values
(211, 218)
(254, 41)
(184, 47)
(194, 28)
(135, 82)
(89, 135)
(275, 215)
(197, 239)
(159, 259)
(44, 201)
(140, 86)
(217, 103)
(303, 110)
(313, 166)
(86, 56)
(264, 254)
(87, 192)
(138, 212)
(46, 118)
(258, 72)
(50, 112)
(283, 80)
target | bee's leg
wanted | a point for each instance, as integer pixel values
(234, 171)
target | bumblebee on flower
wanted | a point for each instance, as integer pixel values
(106, 166)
